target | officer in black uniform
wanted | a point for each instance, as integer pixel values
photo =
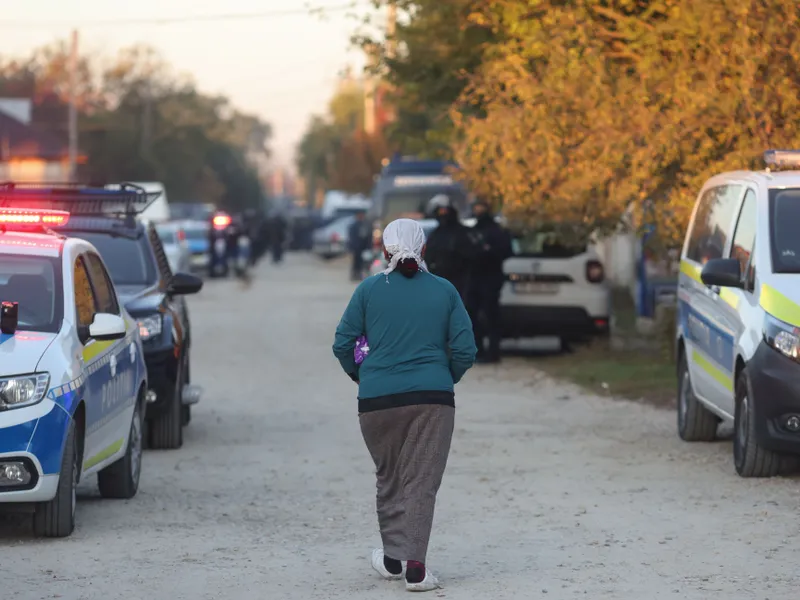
(492, 246)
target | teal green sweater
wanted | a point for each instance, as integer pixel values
(419, 334)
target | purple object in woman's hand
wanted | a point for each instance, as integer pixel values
(361, 350)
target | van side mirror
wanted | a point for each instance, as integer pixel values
(722, 272)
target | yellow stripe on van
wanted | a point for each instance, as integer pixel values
(104, 454)
(779, 306)
(713, 370)
(691, 270)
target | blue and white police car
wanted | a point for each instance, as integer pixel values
(72, 374)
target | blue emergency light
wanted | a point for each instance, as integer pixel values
(786, 159)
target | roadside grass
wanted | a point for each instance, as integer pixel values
(634, 375)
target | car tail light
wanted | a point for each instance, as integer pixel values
(335, 237)
(181, 235)
(221, 221)
(594, 271)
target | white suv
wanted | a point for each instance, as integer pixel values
(738, 332)
(553, 289)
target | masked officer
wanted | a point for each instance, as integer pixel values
(493, 246)
(449, 246)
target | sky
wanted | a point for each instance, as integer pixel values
(282, 67)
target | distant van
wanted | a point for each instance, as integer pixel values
(158, 211)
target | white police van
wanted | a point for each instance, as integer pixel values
(738, 332)
(72, 375)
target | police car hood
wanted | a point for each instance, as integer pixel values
(20, 353)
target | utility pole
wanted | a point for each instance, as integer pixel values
(73, 107)
(391, 29)
(147, 116)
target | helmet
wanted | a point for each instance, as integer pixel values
(439, 201)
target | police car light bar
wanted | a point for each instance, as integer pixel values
(777, 159)
(77, 199)
(33, 217)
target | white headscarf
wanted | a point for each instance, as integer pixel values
(404, 239)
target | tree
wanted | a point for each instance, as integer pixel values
(438, 45)
(140, 121)
(336, 152)
(587, 108)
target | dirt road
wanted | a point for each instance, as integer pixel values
(549, 493)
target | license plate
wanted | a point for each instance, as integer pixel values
(535, 288)
(336, 247)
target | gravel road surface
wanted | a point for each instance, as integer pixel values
(549, 493)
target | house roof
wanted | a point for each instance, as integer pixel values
(18, 140)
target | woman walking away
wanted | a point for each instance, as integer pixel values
(418, 344)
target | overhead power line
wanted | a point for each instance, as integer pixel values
(308, 10)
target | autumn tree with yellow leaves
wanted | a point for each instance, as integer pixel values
(579, 111)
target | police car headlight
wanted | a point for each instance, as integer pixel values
(23, 390)
(150, 327)
(782, 337)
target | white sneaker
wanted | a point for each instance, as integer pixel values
(428, 584)
(377, 564)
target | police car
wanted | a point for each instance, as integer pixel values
(738, 332)
(72, 375)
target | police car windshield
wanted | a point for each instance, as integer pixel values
(129, 261)
(34, 282)
(784, 217)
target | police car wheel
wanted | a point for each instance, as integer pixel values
(750, 459)
(121, 479)
(56, 518)
(695, 422)
(166, 430)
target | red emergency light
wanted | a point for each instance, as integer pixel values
(22, 217)
(221, 221)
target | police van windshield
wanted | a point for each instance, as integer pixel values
(35, 283)
(414, 203)
(545, 244)
(129, 261)
(784, 217)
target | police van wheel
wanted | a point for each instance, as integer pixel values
(166, 430)
(121, 479)
(695, 422)
(57, 517)
(750, 459)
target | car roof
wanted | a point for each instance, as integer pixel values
(31, 244)
(767, 179)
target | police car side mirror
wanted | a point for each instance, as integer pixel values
(183, 284)
(107, 327)
(722, 272)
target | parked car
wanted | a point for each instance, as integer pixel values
(738, 331)
(173, 238)
(72, 376)
(331, 241)
(154, 296)
(554, 289)
(197, 240)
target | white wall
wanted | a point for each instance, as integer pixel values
(619, 257)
